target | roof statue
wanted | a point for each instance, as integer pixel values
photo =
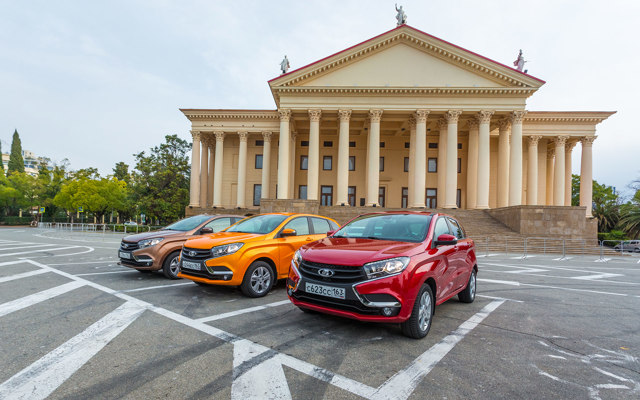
(284, 64)
(519, 62)
(401, 17)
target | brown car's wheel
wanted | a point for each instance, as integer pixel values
(258, 279)
(419, 323)
(468, 294)
(171, 265)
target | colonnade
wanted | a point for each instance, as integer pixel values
(207, 169)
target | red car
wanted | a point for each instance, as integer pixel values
(391, 267)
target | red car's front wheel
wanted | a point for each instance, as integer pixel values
(419, 323)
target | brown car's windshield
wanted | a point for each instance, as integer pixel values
(188, 224)
(261, 224)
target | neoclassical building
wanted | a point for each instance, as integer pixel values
(402, 120)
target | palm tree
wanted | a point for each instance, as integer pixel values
(630, 217)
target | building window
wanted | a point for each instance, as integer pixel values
(302, 192)
(381, 144)
(304, 163)
(405, 197)
(381, 163)
(327, 163)
(433, 145)
(459, 165)
(259, 142)
(431, 198)
(432, 165)
(352, 144)
(258, 161)
(459, 146)
(351, 195)
(407, 145)
(458, 197)
(381, 196)
(352, 163)
(304, 143)
(406, 164)
(326, 195)
(328, 143)
(257, 194)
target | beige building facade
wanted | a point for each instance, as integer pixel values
(403, 120)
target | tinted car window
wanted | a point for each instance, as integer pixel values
(188, 224)
(456, 228)
(301, 225)
(441, 228)
(260, 224)
(320, 226)
(219, 224)
(396, 227)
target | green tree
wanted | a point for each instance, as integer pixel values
(98, 196)
(575, 190)
(16, 162)
(8, 195)
(50, 179)
(25, 185)
(630, 216)
(161, 180)
(121, 172)
(1, 162)
(606, 206)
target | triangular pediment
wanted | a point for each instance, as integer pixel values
(406, 58)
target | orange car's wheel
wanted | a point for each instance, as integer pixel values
(258, 279)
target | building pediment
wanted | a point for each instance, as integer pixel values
(406, 58)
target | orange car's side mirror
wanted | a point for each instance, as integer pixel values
(288, 232)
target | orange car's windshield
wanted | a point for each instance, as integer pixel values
(261, 224)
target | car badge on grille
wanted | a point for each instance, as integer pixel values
(193, 253)
(326, 272)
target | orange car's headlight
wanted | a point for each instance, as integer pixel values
(225, 250)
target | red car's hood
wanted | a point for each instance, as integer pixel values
(353, 251)
(150, 235)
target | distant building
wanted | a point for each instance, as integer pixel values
(30, 162)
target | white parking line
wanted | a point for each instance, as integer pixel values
(22, 246)
(515, 283)
(37, 251)
(106, 273)
(36, 298)
(498, 298)
(243, 311)
(44, 376)
(88, 262)
(22, 275)
(157, 287)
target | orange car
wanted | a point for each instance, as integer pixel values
(253, 253)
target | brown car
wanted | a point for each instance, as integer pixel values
(152, 251)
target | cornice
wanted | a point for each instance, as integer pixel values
(424, 91)
(204, 114)
(584, 117)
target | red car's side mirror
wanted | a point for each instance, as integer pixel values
(445, 240)
(330, 233)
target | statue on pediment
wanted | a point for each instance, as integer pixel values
(519, 62)
(284, 65)
(401, 17)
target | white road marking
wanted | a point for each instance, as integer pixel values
(263, 381)
(18, 246)
(558, 357)
(602, 260)
(598, 276)
(243, 311)
(36, 298)
(37, 251)
(514, 283)
(157, 287)
(498, 298)
(105, 273)
(403, 383)
(43, 377)
(11, 262)
(22, 275)
(89, 250)
(594, 274)
(88, 262)
(614, 376)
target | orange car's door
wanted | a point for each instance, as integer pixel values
(288, 245)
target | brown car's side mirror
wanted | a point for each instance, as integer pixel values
(288, 232)
(206, 230)
(445, 240)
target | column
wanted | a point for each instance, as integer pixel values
(266, 165)
(194, 192)
(242, 170)
(412, 158)
(503, 163)
(558, 171)
(292, 164)
(551, 155)
(532, 171)
(210, 146)
(567, 172)
(515, 159)
(314, 154)
(451, 173)
(204, 172)
(419, 175)
(217, 177)
(484, 158)
(283, 155)
(442, 162)
(342, 184)
(472, 165)
(586, 174)
(373, 159)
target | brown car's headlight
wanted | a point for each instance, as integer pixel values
(387, 267)
(149, 242)
(226, 249)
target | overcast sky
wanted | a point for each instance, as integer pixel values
(95, 82)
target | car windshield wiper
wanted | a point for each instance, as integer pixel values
(340, 236)
(372, 237)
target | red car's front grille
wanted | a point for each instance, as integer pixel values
(341, 273)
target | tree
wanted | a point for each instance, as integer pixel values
(98, 196)
(161, 180)
(49, 182)
(630, 216)
(16, 162)
(121, 172)
(1, 162)
(606, 206)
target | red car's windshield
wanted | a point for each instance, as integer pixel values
(395, 227)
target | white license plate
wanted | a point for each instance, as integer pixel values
(124, 254)
(328, 291)
(192, 265)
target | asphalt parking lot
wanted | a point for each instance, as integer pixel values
(75, 325)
